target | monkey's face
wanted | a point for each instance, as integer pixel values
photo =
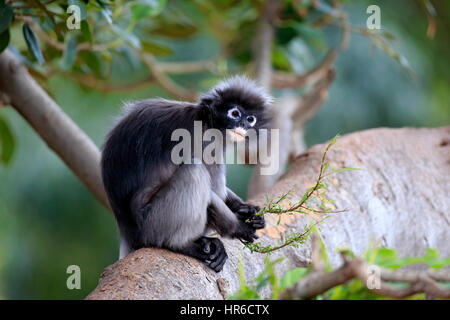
(237, 106)
(238, 122)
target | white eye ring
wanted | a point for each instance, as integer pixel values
(251, 123)
(234, 116)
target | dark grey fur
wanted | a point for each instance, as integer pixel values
(160, 204)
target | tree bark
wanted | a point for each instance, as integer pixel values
(60, 133)
(399, 199)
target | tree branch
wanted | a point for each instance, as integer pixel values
(312, 102)
(282, 80)
(263, 44)
(319, 282)
(164, 81)
(60, 133)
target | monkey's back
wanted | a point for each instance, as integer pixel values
(137, 153)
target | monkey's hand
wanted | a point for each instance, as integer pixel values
(249, 214)
(246, 232)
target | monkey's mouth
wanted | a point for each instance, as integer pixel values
(237, 134)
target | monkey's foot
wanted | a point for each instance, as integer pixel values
(209, 250)
(248, 214)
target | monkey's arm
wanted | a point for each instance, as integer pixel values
(244, 211)
(222, 219)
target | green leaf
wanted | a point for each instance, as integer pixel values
(92, 61)
(69, 54)
(174, 30)
(292, 277)
(32, 43)
(106, 12)
(147, 8)
(156, 49)
(6, 16)
(280, 60)
(7, 142)
(4, 40)
(384, 255)
(86, 32)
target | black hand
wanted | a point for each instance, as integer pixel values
(249, 214)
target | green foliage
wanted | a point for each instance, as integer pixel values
(33, 43)
(6, 16)
(387, 258)
(155, 26)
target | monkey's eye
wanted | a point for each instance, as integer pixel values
(251, 120)
(234, 113)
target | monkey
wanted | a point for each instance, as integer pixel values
(158, 203)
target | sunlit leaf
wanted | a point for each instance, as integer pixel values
(280, 60)
(156, 48)
(32, 43)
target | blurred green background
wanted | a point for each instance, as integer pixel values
(48, 219)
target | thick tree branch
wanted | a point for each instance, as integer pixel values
(60, 133)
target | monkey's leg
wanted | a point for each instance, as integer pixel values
(125, 248)
(245, 212)
(209, 250)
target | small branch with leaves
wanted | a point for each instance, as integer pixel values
(314, 200)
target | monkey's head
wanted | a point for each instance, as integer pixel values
(237, 105)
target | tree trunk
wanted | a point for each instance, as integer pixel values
(399, 199)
